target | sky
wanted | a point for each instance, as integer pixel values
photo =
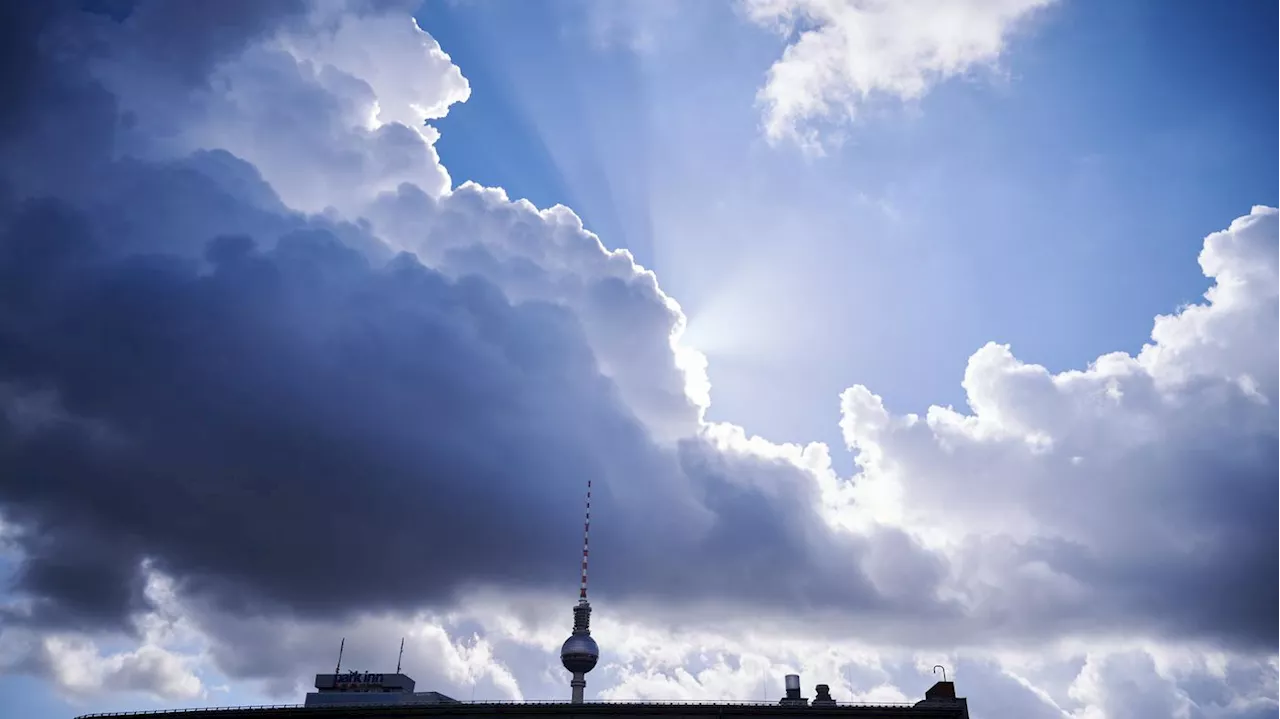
(890, 334)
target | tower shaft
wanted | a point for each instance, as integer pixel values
(582, 618)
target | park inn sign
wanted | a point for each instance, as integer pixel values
(357, 680)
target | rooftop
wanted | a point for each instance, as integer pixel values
(392, 696)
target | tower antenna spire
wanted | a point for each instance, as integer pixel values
(586, 543)
(580, 653)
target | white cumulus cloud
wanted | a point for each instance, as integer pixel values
(841, 53)
(1133, 482)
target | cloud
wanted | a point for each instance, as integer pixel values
(255, 346)
(1144, 484)
(357, 123)
(501, 646)
(78, 666)
(161, 662)
(300, 400)
(842, 54)
(332, 408)
(281, 656)
(226, 383)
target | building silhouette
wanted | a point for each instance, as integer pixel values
(392, 696)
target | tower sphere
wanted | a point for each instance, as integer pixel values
(579, 653)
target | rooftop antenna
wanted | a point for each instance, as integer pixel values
(580, 652)
(341, 646)
(401, 657)
(936, 667)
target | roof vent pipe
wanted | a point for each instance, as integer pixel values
(792, 683)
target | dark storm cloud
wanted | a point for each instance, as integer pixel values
(1193, 559)
(294, 421)
(55, 122)
(300, 430)
(58, 124)
(187, 38)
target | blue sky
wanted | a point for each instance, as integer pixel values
(1056, 203)
(1053, 196)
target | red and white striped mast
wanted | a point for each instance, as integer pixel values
(586, 543)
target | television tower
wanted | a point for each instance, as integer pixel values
(580, 652)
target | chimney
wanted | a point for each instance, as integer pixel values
(941, 691)
(823, 698)
(793, 698)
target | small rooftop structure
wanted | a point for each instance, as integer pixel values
(364, 688)
(793, 698)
